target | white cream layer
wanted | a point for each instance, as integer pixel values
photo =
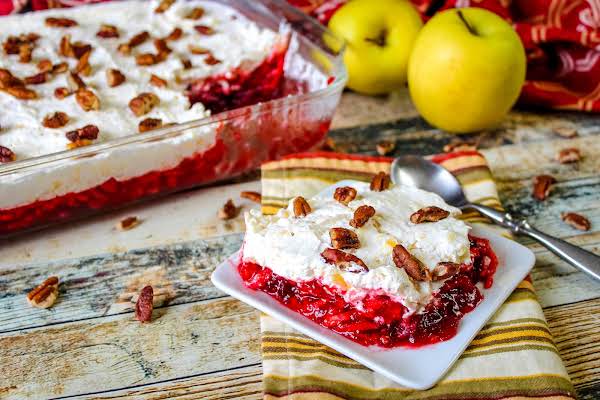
(291, 246)
(237, 40)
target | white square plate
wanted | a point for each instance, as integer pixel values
(417, 368)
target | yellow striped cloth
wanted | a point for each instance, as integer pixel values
(513, 357)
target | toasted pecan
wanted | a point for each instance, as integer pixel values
(342, 238)
(380, 182)
(542, 185)
(45, 294)
(143, 103)
(577, 221)
(55, 120)
(362, 215)
(429, 214)
(301, 207)
(344, 261)
(413, 267)
(344, 194)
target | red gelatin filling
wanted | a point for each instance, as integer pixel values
(381, 321)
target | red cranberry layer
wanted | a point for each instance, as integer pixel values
(380, 320)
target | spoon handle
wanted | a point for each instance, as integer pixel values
(584, 260)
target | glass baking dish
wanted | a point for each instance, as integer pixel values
(42, 191)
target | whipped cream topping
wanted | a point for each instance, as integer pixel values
(291, 247)
(236, 42)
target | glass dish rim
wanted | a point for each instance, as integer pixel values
(340, 75)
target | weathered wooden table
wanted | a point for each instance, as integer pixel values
(203, 344)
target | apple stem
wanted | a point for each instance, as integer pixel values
(379, 40)
(464, 20)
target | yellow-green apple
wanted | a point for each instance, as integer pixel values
(466, 70)
(379, 36)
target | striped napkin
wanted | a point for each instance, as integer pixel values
(513, 357)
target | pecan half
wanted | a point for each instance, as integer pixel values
(413, 267)
(62, 92)
(107, 31)
(163, 6)
(211, 60)
(144, 305)
(36, 79)
(198, 50)
(74, 82)
(45, 65)
(228, 211)
(385, 147)
(21, 92)
(87, 100)
(175, 34)
(195, 13)
(128, 223)
(6, 155)
(45, 294)
(444, 270)
(569, 155)
(143, 103)
(542, 184)
(114, 77)
(361, 215)
(53, 22)
(380, 182)
(88, 132)
(149, 124)
(344, 194)
(186, 63)
(577, 221)
(342, 238)
(157, 81)
(428, 214)
(204, 30)
(55, 120)
(252, 196)
(25, 52)
(344, 261)
(301, 207)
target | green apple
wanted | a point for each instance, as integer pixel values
(379, 35)
(466, 70)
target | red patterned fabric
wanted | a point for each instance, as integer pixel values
(562, 39)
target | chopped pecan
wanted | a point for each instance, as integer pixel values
(36, 79)
(198, 50)
(361, 215)
(149, 124)
(577, 221)
(344, 261)
(186, 63)
(301, 207)
(45, 65)
(135, 41)
(80, 48)
(114, 77)
(144, 305)
(161, 46)
(252, 196)
(146, 59)
(380, 182)
(88, 132)
(55, 120)
(60, 68)
(108, 31)
(211, 60)
(565, 131)
(444, 270)
(228, 211)
(175, 34)
(428, 214)
(342, 238)
(204, 30)
(25, 51)
(79, 143)
(7, 79)
(344, 194)
(157, 81)
(460, 145)
(62, 92)
(53, 22)
(143, 103)
(6, 155)
(45, 294)
(385, 147)
(542, 184)
(21, 92)
(569, 155)
(65, 48)
(87, 100)
(163, 6)
(413, 267)
(128, 223)
(195, 13)
(75, 82)
(83, 66)
(11, 45)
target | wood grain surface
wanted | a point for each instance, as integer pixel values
(202, 344)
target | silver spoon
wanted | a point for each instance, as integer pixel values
(426, 175)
